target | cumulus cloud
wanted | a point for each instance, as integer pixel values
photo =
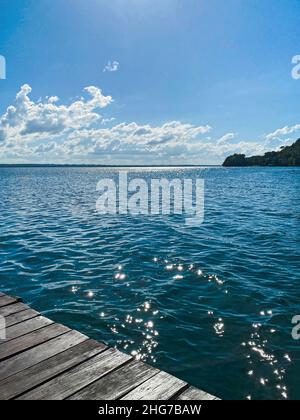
(111, 66)
(26, 119)
(49, 131)
(282, 132)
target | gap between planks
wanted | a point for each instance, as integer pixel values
(43, 360)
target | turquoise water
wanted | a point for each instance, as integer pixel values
(211, 304)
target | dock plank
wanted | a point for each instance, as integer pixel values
(77, 378)
(30, 378)
(30, 340)
(7, 300)
(18, 317)
(40, 353)
(195, 394)
(161, 387)
(13, 309)
(117, 383)
(42, 360)
(25, 327)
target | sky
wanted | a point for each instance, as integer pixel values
(147, 81)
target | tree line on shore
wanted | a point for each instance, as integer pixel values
(287, 156)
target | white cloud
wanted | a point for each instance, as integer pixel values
(281, 137)
(53, 99)
(111, 66)
(26, 119)
(77, 132)
(284, 131)
(226, 138)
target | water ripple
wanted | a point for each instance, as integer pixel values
(212, 304)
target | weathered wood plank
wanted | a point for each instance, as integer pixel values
(41, 360)
(13, 309)
(7, 300)
(30, 340)
(38, 374)
(161, 387)
(40, 353)
(77, 378)
(117, 383)
(18, 317)
(25, 327)
(195, 394)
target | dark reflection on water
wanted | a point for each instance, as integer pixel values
(212, 304)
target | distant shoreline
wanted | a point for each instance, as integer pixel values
(288, 156)
(54, 165)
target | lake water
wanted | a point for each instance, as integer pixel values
(211, 304)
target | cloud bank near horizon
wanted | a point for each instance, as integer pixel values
(49, 132)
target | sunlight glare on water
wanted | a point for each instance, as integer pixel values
(211, 304)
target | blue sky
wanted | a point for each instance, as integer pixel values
(194, 80)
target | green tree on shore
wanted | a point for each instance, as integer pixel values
(287, 156)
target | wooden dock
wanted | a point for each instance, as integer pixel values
(43, 360)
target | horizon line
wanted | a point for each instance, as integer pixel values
(101, 166)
